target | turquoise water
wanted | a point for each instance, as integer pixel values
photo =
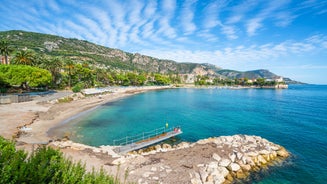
(295, 118)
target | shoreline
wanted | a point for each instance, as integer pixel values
(59, 113)
(158, 165)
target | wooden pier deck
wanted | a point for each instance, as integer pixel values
(145, 139)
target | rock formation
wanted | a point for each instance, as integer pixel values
(221, 159)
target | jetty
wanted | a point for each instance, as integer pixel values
(131, 143)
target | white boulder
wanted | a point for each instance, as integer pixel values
(224, 162)
(234, 167)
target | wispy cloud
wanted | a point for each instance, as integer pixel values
(239, 11)
(187, 15)
(168, 12)
(192, 25)
(229, 31)
(210, 37)
(53, 5)
(284, 19)
(253, 25)
(231, 57)
(212, 11)
(257, 22)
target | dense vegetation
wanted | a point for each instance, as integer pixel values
(204, 80)
(78, 64)
(24, 76)
(45, 165)
(29, 69)
(83, 51)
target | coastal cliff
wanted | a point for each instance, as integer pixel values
(224, 159)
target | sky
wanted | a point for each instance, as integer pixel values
(287, 37)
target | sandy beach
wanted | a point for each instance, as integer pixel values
(40, 117)
(184, 163)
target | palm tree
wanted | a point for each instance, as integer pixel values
(25, 57)
(5, 50)
(69, 65)
(54, 65)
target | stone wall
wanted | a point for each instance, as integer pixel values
(7, 99)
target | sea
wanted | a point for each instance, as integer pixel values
(295, 118)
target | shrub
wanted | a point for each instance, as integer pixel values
(45, 165)
(78, 87)
(65, 100)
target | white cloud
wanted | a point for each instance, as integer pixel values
(324, 44)
(187, 16)
(231, 57)
(150, 9)
(284, 19)
(148, 30)
(239, 11)
(135, 8)
(165, 29)
(257, 22)
(104, 21)
(207, 35)
(253, 25)
(167, 14)
(234, 19)
(229, 31)
(53, 5)
(211, 15)
(117, 13)
(94, 30)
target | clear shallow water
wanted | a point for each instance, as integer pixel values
(295, 118)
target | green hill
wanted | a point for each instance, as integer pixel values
(103, 57)
(81, 50)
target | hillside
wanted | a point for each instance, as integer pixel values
(248, 74)
(104, 57)
(81, 50)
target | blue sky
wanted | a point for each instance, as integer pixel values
(287, 37)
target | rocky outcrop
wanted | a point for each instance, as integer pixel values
(224, 159)
(239, 154)
(235, 157)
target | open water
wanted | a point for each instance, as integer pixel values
(295, 118)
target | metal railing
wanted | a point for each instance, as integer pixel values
(144, 136)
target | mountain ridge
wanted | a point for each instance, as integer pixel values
(116, 59)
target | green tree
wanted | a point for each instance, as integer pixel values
(111, 79)
(101, 76)
(54, 65)
(132, 78)
(201, 80)
(85, 75)
(69, 66)
(161, 79)
(25, 76)
(5, 49)
(175, 78)
(24, 57)
(120, 78)
(141, 78)
(261, 81)
(218, 81)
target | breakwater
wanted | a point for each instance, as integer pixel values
(223, 159)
